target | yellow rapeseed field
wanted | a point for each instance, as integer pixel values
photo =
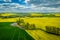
(7, 14)
(44, 21)
(40, 23)
(41, 35)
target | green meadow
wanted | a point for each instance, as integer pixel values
(8, 32)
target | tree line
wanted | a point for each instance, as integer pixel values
(21, 23)
(53, 30)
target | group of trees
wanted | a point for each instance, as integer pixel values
(45, 15)
(49, 15)
(0, 15)
(30, 26)
(53, 30)
(11, 16)
(27, 15)
(21, 22)
(8, 16)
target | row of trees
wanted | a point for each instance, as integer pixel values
(53, 30)
(11, 16)
(21, 23)
(30, 26)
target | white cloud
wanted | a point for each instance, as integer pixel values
(7, 0)
(26, 1)
(15, 7)
(11, 5)
(33, 6)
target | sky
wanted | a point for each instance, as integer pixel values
(29, 5)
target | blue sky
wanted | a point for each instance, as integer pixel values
(29, 5)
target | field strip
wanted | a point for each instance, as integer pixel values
(50, 37)
(32, 34)
(40, 35)
(19, 36)
(13, 35)
(37, 35)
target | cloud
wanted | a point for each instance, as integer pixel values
(6, 0)
(26, 1)
(33, 6)
(11, 5)
(46, 3)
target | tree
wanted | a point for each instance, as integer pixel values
(52, 15)
(32, 26)
(22, 21)
(0, 15)
(27, 26)
(18, 21)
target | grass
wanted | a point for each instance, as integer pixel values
(8, 32)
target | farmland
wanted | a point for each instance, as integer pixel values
(40, 22)
(8, 32)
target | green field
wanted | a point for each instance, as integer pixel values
(8, 32)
